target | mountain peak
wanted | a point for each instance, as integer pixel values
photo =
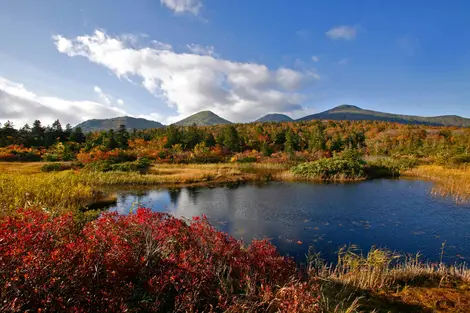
(203, 118)
(274, 117)
(116, 122)
(345, 107)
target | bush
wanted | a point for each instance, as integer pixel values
(136, 166)
(142, 262)
(247, 160)
(52, 167)
(50, 157)
(99, 166)
(347, 166)
(389, 167)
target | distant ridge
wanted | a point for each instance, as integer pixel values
(115, 123)
(203, 118)
(354, 113)
(275, 117)
(343, 112)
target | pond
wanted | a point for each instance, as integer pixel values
(400, 215)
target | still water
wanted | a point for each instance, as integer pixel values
(400, 215)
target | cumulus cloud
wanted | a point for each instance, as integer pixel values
(182, 6)
(315, 58)
(191, 82)
(342, 32)
(21, 106)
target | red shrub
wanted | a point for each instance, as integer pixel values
(140, 262)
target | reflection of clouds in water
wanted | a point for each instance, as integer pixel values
(157, 200)
(235, 211)
(325, 216)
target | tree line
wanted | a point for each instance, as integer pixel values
(324, 137)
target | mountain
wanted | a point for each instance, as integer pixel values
(274, 118)
(114, 123)
(354, 113)
(203, 118)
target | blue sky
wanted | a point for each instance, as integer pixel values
(167, 59)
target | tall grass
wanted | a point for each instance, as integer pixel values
(450, 181)
(381, 269)
(27, 187)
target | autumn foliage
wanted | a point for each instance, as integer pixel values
(141, 262)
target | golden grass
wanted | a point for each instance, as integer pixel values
(23, 168)
(450, 181)
(54, 191)
(392, 283)
(23, 185)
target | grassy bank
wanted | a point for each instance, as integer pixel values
(24, 185)
(450, 181)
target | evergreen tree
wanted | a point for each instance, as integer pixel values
(122, 137)
(8, 134)
(77, 135)
(209, 140)
(317, 139)
(173, 136)
(231, 138)
(289, 143)
(38, 134)
(111, 142)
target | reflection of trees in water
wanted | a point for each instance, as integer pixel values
(193, 193)
(175, 194)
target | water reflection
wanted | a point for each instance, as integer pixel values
(397, 214)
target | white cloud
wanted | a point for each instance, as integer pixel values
(103, 97)
(342, 32)
(21, 106)
(315, 58)
(182, 6)
(202, 50)
(192, 82)
(343, 61)
(107, 98)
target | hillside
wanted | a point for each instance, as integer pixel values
(354, 113)
(114, 123)
(275, 117)
(203, 118)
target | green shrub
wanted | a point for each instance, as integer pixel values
(389, 167)
(247, 160)
(347, 166)
(54, 167)
(140, 165)
(99, 166)
(50, 157)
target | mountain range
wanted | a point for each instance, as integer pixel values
(342, 112)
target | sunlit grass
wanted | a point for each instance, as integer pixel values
(54, 191)
(20, 167)
(390, 282)
(23, 185)
(450, 181)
